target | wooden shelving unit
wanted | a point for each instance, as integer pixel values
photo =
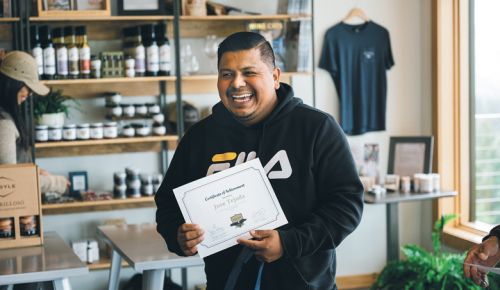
(244, 17)
(103, 146)
(98, 205)
(9, 19)
(109, 80)
(102, 18)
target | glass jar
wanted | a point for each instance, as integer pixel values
(69, 132)
(113, 111)
(119, 177)
(120, 191)
(83, 132)
(128, 110)
(128, 131)
(158, 118)
(159, 129)
(113, 98)
(153, 108)
(110, 130)
(96, 131)
(147, 189)
(95, 67)
(141, 110)
(142, 130)
(130, 67)
(42, 133)
(55, 133)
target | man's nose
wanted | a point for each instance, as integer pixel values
(239, 81)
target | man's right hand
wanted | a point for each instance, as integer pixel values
(486, 254)
(188, 237)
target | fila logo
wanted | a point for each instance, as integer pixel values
(220, 163)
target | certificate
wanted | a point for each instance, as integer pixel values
(229, 204)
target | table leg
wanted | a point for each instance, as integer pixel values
(392, 232)
(153, 279)
(114, 272)
(61, 284)
(184, 278)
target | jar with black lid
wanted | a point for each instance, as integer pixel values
(42, 133)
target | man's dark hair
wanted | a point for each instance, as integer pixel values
(247, 40)
(9, 88)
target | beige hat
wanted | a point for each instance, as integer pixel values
(22, 67)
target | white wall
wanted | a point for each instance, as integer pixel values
(408, 113)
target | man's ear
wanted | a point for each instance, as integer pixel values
(276, 77)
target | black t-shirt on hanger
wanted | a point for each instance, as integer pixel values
(357, 57)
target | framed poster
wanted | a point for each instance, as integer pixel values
(79, 181)
(410, 155)
(141, 7)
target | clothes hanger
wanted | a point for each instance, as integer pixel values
(356, 12)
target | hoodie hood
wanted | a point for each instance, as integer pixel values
(286, 103)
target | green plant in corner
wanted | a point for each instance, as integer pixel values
(423, 270)
(54, 102)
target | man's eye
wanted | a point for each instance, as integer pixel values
(226, 75)
(250, 73)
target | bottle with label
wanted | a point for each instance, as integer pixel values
(36, 49)
(139, 53)
(164, 47)
(73, 55)
(83, 51)
(152, 50)
(61, 53)
(49, 54)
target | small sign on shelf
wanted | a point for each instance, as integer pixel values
(73, 8)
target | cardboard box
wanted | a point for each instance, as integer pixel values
(20, 200)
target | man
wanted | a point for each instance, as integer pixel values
(487, 254)
(308, 162)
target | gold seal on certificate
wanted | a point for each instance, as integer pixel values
(229, 204)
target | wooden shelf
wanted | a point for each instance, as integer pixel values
(95, 147)
(86, 206)
(102, 18)
(109, 80)
(9, 19)
(245, 17)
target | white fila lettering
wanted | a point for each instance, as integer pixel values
(280, 157)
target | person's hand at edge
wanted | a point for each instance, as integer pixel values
(266, 243)
(487, 254)
(188, 237)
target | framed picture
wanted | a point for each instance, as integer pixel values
(410, 155)
(73, 8)
(89, 5)
(5, 10)
(141, 7)
(79, 182)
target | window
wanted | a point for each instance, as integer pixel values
(485, 112)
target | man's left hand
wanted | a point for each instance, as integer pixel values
(266, 243)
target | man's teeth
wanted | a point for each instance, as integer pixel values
(242, 96)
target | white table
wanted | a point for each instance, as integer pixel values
(53, 261)
(145, 251)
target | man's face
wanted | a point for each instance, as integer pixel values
(247, 85)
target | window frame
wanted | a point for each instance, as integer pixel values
(453, 85)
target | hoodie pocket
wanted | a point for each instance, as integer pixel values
(317, 271)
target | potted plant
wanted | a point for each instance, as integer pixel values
(51, 109)
(428, 270)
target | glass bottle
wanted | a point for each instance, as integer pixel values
(61, 53)
(49, 54)
(36, 49)
(73, 56)
(152, 50)
(83, 51)
(165, 52)
(139, 52)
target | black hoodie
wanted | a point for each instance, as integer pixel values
(311, 170)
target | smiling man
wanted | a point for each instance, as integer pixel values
(308, 162)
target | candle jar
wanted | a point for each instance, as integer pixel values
(110, 130)
(141, 110)
(128, 131)
(42, 133)
(159, 129)
(153, 108)
(55, 133)
(128, 110)
(83, 131)
(96, 131)
(69, 132)
(158, 118)
(113, 98)
(113, 111)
